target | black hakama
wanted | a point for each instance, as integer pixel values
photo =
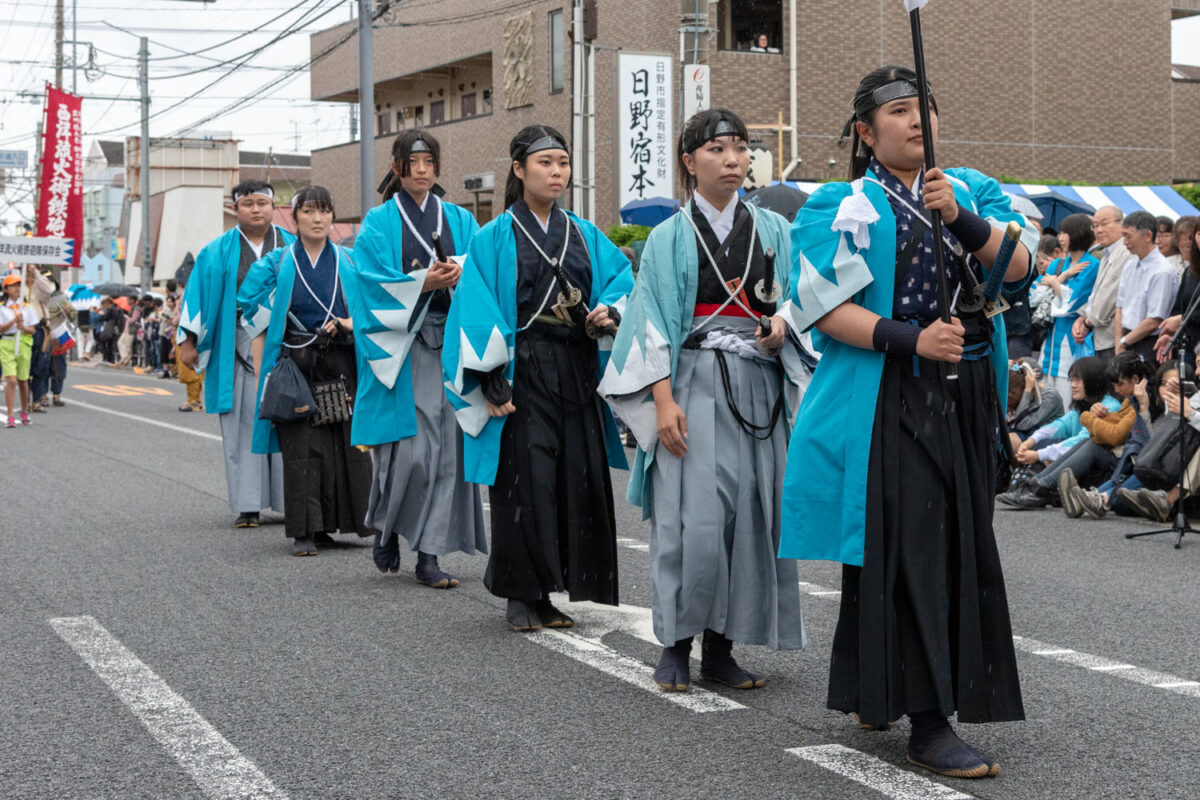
(326, 481)
(553, 526)
(924, 623)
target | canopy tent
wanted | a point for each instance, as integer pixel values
(1161, 201)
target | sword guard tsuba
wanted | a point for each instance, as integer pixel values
(766, 295)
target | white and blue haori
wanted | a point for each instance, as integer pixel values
(553, 524)
(418, 487)
(701, 289)
(209, 312)
(1060, 350)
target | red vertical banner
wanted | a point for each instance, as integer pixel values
(60, 196)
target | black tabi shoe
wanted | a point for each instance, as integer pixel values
(717, 664)
(387, 556)
(431, 575)
(936, 747)
(304, 547)
(248, 519)
(522, 616)
(323, 539)
(871, 726)
(551, 617)
(673, 673)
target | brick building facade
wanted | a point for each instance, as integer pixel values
(1046, 89)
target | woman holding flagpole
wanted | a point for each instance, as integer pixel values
(892, 465)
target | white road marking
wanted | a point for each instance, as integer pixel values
(596, 654)
(1130, 672)
(177, 428)
(875, 774)
(215, 765)
(633, 544)
(593, 620)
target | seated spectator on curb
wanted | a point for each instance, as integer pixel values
(1031, 404)
(1090, 388)
(1124, 433)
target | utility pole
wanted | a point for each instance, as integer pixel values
(366, 107)
(74, 42)
(147, 272)
(58, 43)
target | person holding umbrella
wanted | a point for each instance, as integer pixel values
(892, 462)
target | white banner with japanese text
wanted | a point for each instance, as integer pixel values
(645, 136)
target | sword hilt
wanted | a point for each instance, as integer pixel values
(1008, 247)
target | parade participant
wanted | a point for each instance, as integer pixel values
(714, 441)
(402, 282)
(1070, 279)
(523, 371)
(214, 340)
(892, 463)
(17, 324)
(297, 297)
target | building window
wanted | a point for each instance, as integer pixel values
(419, 116)
(383, 124)
(400, 120)
(750, 25)
(468, 105)
(437, 112)
(556, 51)
(487, 101)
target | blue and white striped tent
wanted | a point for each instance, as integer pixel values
(1161, 201)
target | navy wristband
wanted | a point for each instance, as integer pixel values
(895, 337)
(971, 230)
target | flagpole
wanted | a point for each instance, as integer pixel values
(939, 253)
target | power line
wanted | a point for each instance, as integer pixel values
(212, 83)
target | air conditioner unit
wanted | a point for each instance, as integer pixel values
(483, 182)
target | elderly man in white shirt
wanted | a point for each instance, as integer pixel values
(1148, 287)
(1099, 314)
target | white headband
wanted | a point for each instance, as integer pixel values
(268, 193)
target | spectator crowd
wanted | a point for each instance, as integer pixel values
(1102, 358)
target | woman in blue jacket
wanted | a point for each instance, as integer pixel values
(325, 479)
(892, 464)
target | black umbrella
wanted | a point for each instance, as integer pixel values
(1056, 207)
(780, 198)
(185, 269)
(117, 290)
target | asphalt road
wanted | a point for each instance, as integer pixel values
(216, 665)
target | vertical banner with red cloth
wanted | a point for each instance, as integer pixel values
(60, 194)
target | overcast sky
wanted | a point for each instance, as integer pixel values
(283, 118)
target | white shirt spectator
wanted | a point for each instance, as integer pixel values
(1148, 288)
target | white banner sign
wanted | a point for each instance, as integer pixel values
(36, 250)
(696, 97)
(646, 143)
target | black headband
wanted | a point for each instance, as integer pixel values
(899, 89)
(420, 146)
(538, 145)
(714, 129)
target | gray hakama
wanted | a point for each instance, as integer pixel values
(417, 486)
(254, 481)
(715, 530)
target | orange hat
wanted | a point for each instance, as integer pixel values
(9, 280)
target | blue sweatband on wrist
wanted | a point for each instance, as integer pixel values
(895, 337)
(971, 230)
